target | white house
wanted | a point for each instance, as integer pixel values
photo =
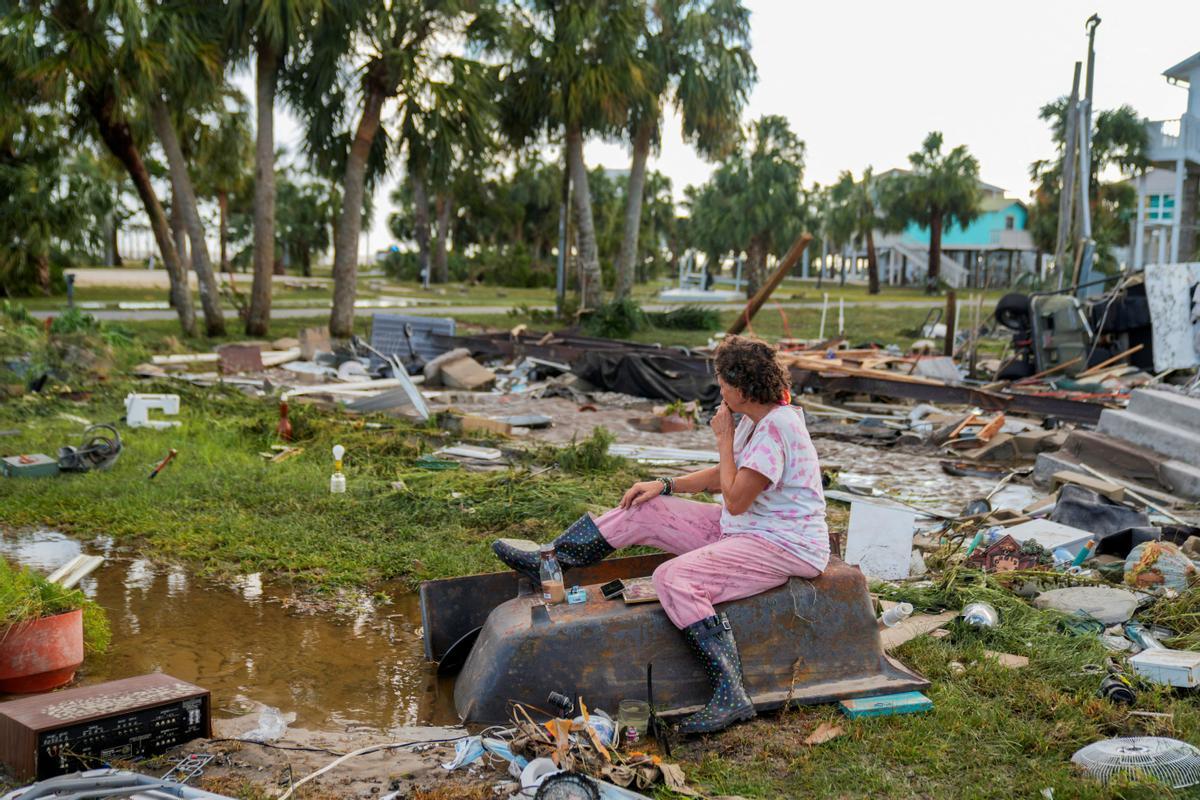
(1165, 228)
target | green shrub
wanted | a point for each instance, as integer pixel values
(616, 320)
(25, 595)
(686, 318)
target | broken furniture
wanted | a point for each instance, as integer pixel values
(804, 642)
(139, 406)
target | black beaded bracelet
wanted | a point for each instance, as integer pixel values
(668, 485)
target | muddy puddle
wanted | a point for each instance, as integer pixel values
(350, 665)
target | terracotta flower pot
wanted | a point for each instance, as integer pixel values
(41, 654)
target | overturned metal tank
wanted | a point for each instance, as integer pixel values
(804, 642)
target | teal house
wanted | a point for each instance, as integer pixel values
(994, 249)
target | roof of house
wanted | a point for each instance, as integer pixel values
(1183, 70)
(993, 203)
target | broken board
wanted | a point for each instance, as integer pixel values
(879, 540)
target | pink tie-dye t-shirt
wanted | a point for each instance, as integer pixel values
(790, 512)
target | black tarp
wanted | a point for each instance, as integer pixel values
(657, 376)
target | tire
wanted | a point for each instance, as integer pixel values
(1013, 311)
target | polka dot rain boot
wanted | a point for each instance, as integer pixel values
(577, 546)
(712, 640)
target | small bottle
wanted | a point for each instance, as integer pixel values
(337, 481)
(551, 576)
(284, 429)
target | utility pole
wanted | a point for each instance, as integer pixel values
(1066, 196)
(1083, 276)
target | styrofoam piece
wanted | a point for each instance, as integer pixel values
(1050, 535)
(138, 407)
(470, 451)
(879, 540)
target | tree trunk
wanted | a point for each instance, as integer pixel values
(756, 260)
(119, 140)
(116, 259)
(306, 262)
(633, 212)
(935, 254)
(591, 286)
(872, 264)
(345, 246)
(443, 204)
(223, 227)
(266, 73)
(421, 222)
(42, 260)
(185, 204)
(178, 230)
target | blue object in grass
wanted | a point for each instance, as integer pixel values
(885, 705)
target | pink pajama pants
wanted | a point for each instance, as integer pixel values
(710, 568)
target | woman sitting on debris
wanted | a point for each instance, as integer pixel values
(769, 527)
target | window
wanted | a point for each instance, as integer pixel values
(1159, 207)
(1009, 222)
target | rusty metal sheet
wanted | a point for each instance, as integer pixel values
(803, 642)
(452, 607)
(1063, 408)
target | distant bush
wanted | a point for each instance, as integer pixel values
(616, 320)
(686, 318)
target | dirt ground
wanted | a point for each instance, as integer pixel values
(249, 770)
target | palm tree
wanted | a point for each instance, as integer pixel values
(395, 48)
(269, 32)
(754, 200)
(303, 219)
(575, 69)
(698, 60)
(224, 159)
(941, 189)
(855, 216)
(446, 126)
(95, 59)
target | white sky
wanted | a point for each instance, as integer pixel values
(863, 82)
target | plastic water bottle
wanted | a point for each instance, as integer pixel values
(337, 481)
(896, 614)
(551, 576)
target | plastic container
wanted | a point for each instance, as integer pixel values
(635, 715)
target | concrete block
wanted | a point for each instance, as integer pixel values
(1166, 407)
(1166, 438)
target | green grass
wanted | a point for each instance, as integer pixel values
(222, 508)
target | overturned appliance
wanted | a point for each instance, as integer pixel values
(804, 642)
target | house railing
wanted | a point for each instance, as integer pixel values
(1171, 138)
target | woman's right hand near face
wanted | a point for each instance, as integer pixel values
(640, 492)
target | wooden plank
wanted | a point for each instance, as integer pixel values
(764, 292)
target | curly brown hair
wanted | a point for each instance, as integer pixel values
(751, 367)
